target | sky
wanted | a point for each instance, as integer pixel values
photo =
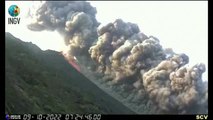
(180, 25)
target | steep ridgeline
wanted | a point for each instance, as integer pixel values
(44, 82)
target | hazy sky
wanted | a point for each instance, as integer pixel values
(181, 25)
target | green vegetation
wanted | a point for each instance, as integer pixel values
(43, 82)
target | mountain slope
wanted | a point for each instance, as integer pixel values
(44, 82)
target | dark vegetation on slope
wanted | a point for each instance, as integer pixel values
(43, 82)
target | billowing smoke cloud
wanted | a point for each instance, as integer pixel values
(132, 65)
(124, 54)
(175, 88)
(74, 20)
(122, 51)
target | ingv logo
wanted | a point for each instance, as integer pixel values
(13, 11)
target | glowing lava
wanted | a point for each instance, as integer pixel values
(71, 61)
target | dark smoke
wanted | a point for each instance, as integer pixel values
(132, 67)
(74, 20)
(175, 88)
(122, 51)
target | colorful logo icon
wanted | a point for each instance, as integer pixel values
(14, 10)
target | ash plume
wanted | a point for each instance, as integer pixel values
(135, 67)
(177, 89)
(122, 50)
(75, 21)
(124, 53)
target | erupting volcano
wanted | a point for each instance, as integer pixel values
(133, 65)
